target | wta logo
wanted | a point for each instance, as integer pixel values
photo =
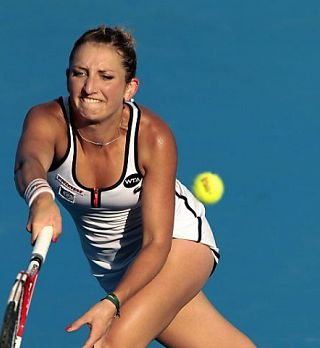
(132, 180)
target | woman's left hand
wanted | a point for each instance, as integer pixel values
(99, 318)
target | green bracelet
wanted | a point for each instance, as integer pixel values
(114, 299)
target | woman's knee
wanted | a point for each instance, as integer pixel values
(123, 334)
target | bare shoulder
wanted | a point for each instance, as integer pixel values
(153, 128)
(156, 140)
(43, 136)
(44, 128)
(46, 114)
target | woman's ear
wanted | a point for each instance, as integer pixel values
(131, 89)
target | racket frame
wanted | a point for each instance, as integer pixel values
(21, 294)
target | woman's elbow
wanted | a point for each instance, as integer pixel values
(161, 246)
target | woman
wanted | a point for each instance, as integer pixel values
(112, 164)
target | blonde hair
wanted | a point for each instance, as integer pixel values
(117, 37)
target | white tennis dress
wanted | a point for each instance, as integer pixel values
(109, 220)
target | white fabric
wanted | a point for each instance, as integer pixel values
(111, 232)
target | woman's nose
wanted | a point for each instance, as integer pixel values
(90, 85)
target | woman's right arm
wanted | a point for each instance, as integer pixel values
(35, 153)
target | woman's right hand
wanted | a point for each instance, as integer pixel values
(44, 212)
(99, 318)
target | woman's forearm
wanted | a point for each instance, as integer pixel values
(146, 266)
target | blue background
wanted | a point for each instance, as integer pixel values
(237, 81)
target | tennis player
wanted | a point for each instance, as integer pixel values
(112, 164)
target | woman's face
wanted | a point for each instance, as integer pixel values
(96, 82)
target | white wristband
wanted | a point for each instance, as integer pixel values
(35, 188)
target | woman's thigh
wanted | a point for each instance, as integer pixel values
(198, 324)
(151, 310)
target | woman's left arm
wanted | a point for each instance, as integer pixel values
(158, 161)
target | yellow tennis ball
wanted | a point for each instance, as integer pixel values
(208, 187)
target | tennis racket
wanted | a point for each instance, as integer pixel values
(21, 294)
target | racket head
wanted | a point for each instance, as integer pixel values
(12, 315)
(10, 327)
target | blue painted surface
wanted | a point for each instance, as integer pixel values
(238, 84)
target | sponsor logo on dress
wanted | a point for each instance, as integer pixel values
(67, 195)
(132, 180)
(66, 184)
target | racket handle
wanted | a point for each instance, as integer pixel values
(42, 244)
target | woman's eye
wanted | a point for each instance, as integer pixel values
(78, 73)
(107, 77)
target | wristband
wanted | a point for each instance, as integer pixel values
(35, 188)
(114, 299)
